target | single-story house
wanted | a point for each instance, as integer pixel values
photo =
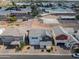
(67, 17)
(40, 38)
(62, 37)
(50, 19)
(60, 11)
(4, 14)
(12, 36)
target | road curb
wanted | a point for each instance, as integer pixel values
(34, 54)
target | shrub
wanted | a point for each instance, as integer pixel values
(12, 18)
(22, 44)
(48, 50)
(77, 17)
(42, 50)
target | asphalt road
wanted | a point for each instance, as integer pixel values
(37, 57)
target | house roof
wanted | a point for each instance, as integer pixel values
(50, 19)
(67, 16)
(13, 32)
(3, 12)
(39, 32)
(37, 25)
(59, 31)
(36, 32)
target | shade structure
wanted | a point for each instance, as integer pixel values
(15, 43)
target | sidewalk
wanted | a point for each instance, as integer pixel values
(32, 51)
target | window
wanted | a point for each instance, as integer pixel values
(34, 37)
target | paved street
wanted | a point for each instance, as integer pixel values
(36, 57)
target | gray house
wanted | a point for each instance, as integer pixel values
(12, 36)
(40, 38)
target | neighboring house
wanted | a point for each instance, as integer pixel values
(60, 11)
(60, 35)
(12, 36)
(4, 14)
(50, 19)
(20, 14)
(67, 17)
(64, 38)
(23, 13)
(40, 38)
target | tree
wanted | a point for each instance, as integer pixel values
(77, 17)
(34, 10)
(13, 3)
(15, 6)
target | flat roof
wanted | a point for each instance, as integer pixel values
(3, 12)
(37, 25)
(58, 30)
(50, 19)
(13, 32)
(59, 10)
(39, 32)
(67, 16)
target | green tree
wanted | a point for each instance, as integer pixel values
(77, 17)
(34, 10)
(13, 3)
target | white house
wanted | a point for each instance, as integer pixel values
(38, 37)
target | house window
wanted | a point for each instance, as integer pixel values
(34, 37)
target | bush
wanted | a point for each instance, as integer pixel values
(12, 18)
(28, 47)
(22, 44)
(48, 50)
(77, 50)
(42, 50)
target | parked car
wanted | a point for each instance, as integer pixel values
(75, 55)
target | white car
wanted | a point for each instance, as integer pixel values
(75, 55)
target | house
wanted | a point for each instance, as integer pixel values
(22, 13)
(62, 37)
(40, 38)
(67, 17)
(12, 36)
(50, 19)
(4, 14)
